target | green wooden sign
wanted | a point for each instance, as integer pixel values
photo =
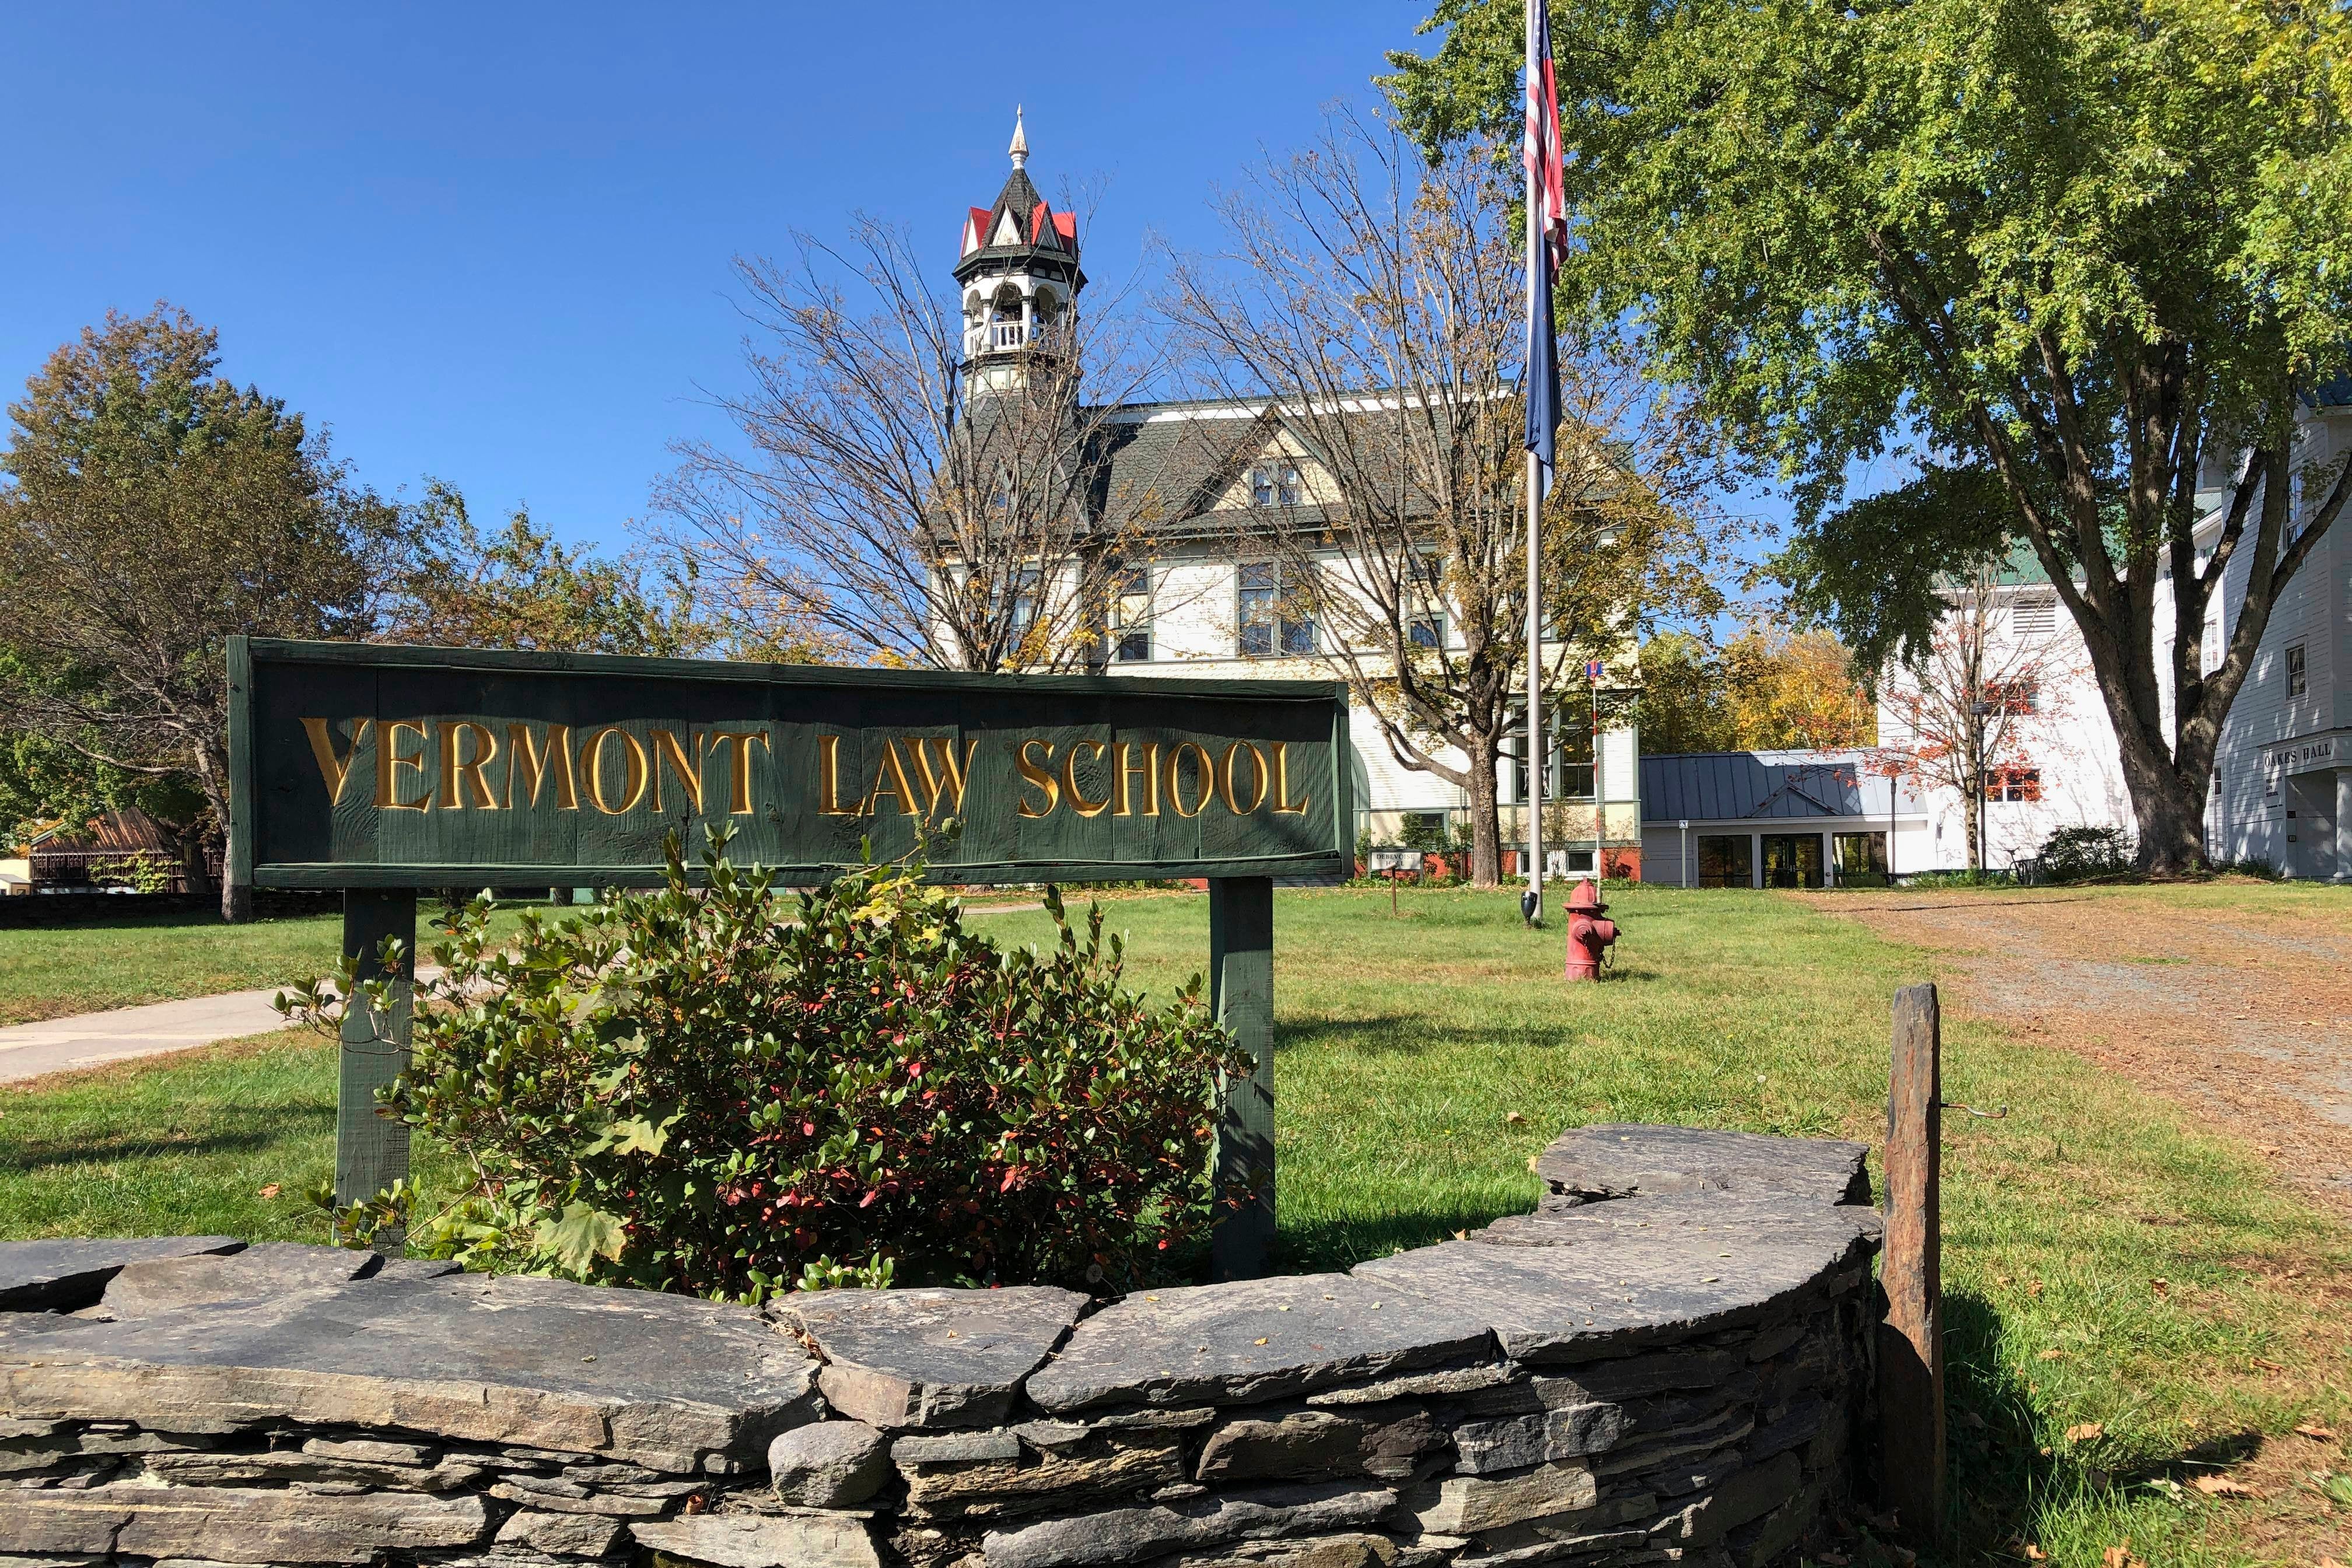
(360, 766)
(385, 770)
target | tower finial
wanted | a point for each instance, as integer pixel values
(1020, 148)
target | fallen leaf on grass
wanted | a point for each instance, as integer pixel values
(2121, 1557)
(2034, 1553)
(272, 1191)
(2268, 1365)
(2033, 1288)
(2088, 1432)
(2316, 1432)
(2222, 1486)
(2051, 1354)
(1512, 1119)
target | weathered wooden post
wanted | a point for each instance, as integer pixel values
(1911, 1341)
(1241, 970)
(372, 1151)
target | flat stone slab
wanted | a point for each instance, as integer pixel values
(1251, 1340)
(1596, 1281)
(1562, 1222)
(896, 1359)
(748, 1540)
(1618, 1160)
(665, 1382)
(39, 1275)
(253, 1273)
(238, 1524)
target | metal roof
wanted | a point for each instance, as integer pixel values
(1740, 787)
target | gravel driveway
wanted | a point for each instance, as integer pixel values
(2239, 1009)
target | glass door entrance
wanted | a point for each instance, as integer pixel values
(1792, 859)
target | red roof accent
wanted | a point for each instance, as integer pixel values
(1040, 216)
(1066, 225)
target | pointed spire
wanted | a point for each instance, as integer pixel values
(1020, 148)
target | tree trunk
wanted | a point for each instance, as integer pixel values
(1486, 817)
(212, 778)
(2171, 815)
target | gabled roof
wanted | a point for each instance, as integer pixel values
(1764, 786)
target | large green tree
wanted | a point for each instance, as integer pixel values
(150, 510)
(2085, 256)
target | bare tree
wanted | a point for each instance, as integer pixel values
(1375, 304)
(1965, 711)
(910, 511)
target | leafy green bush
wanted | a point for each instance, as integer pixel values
(720, 1092)
(2252, 866)
(2074, 854)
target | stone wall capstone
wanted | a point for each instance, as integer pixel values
(1666, 1362)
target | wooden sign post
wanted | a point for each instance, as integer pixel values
(384, 771)
(1911, 1340)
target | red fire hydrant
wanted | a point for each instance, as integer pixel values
(1589, 936)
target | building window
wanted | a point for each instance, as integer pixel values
(2014, 697)
(2298, 676)
(2012, 784)
(1424, 600)
(1861, 859)
(1024, 600)
(1274, 484)
(1269, 618)
(1725, 860)
(1130, 615)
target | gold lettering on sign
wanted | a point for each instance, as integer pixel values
(669, 754)
(322, 747)
(951, 775)
(1122, 770)
(828, 759)
(896, 784)
(633, 778)
(531, 765)
(1078, 801)
(738, 773)
(1257, 773)
(457, 769)
(1205, 777)
(389, 762)
(1282, 784)
(1041, 777)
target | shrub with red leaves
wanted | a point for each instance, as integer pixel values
(719, 1092)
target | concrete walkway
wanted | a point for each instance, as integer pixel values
(93, 1039)
(58, 1045)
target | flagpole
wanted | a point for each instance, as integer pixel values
(1531, 905)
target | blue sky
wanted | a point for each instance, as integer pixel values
(490, 243)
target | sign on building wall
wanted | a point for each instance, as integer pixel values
(360, 766)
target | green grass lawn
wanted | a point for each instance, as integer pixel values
(2107, 1263)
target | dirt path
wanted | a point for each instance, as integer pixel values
(2242, 1013)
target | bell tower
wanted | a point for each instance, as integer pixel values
(1018, 265)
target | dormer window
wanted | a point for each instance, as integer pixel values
(1274, 484)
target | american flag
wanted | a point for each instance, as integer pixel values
(1547, 237)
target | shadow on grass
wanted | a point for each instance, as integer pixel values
(292, 1122)
(1395, 1034)
(1338, 1244)
(2014, 1481)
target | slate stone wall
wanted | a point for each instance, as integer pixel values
(1666, 1363)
